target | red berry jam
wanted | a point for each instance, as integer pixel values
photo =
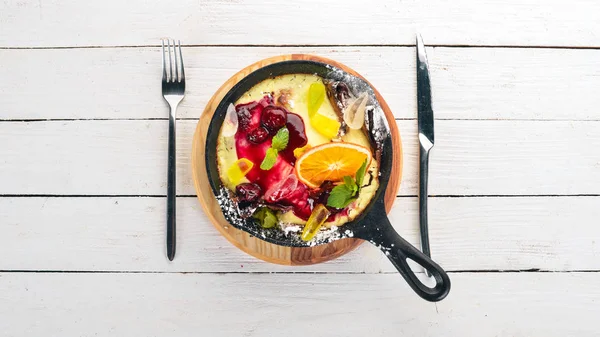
(295, 126)
(272, 181)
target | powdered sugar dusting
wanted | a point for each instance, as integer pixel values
(230, 209)
(285, 234)
(326, 235)
(376, 123)
(290, 228)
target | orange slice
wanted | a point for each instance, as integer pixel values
(331, 161)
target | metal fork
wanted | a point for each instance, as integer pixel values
(173, 89)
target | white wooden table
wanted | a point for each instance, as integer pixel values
(515, 174)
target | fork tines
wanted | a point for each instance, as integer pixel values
(174, 71)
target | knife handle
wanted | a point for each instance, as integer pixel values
(423, 180)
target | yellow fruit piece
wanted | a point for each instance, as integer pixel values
(331, 161)
(316, 96)
(300, 150)
(326, 126)
(318, 216)
(238, 170)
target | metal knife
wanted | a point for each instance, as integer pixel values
(426, 139)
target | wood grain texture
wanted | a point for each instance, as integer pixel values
(468, 83)
(469, 158)
(140, 22)
(127, 234)
(253, 245)
(480, 305)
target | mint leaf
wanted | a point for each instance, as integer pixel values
(265, 217)
(340, 196)
(360, 174)
(279, 143)
(349, 182)
(269, 160)
(281, 139)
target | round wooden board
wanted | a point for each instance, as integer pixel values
(256, 247)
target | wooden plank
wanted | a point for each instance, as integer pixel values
(107, 157)
(506, 158)
(137, 22)
(470, 158)
(479, 305)
(491, 83)
(127, 234)
(468, 83)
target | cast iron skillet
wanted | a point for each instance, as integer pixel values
(372, 225)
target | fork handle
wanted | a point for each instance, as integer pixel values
(171, 193)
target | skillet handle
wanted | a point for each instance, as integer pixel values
(398, 251)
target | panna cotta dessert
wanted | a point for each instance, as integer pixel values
(295, 154)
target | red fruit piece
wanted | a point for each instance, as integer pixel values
(282, 189)
(273, 117)
(258, 135)
(249, 113)
(244, 116)
(248, 192)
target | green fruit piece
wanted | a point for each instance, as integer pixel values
(316, 96)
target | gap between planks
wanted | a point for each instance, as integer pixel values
(306, 46)
(466, 271)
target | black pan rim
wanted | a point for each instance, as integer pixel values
(242, 86)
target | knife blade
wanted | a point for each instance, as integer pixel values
(426, 138)
(425, 111)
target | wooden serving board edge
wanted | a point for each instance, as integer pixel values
(254, 246)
